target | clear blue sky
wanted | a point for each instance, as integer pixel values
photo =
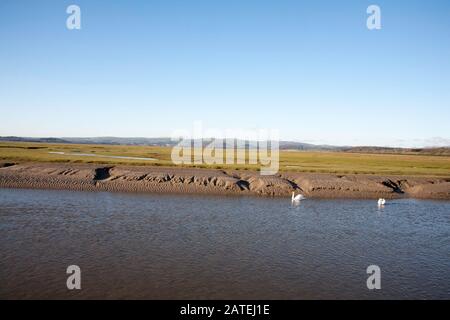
(310, 69)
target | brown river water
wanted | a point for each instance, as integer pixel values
(144, 246)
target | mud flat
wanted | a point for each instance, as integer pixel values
(89, 177)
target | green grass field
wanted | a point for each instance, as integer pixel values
(296, 161)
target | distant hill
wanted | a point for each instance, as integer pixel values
(436, 151)
(284, 145)
(26, 139)
(96, 140)
(292, 145)
(163, 141)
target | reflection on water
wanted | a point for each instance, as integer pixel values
(168, 246)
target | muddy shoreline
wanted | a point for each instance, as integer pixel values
(90, 177)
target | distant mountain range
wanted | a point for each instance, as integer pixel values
(284, 145)
(163, 141)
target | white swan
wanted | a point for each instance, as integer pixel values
(297, 198)
(381, 202)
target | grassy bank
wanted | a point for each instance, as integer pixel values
(296, 161)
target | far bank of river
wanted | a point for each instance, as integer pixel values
(90, 177)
